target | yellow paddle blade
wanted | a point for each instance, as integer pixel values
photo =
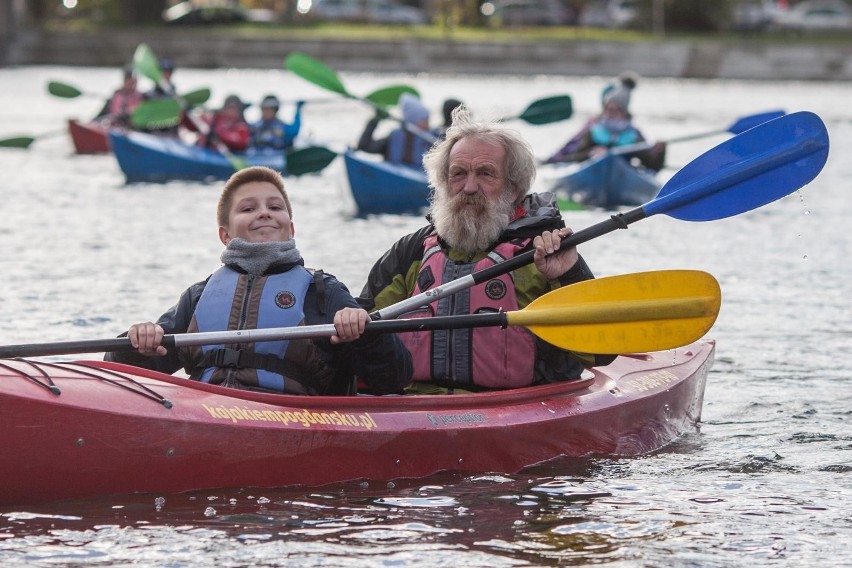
(646, 311)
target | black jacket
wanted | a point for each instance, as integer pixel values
(379, 360)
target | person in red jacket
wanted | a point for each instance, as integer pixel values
(227, 126)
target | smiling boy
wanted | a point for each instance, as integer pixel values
(263, 283)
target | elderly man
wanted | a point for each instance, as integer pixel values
(480, 214)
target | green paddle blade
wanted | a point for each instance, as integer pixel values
(196, 97)
(17, 142)
(156, 114)
(145, 63)
(237, 163)
(309, 160)
(548, 110)
(647, 311)
(63, 90)
(316, 72)
(389, 96)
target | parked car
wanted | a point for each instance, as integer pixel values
(609, 14)
(753, 15)
(190, 14)
(527, 13)
(815, 15)
(364, 11)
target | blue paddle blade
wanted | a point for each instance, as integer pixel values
(754, 168)
(753, 120)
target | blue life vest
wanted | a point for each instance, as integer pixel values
(602, 136)
(232, 300)
(275, 134)
(406, 148)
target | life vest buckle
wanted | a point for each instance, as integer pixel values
(229, 358)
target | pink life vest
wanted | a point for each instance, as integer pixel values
(123, 103)
(488, 356)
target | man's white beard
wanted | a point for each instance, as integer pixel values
(470, 223)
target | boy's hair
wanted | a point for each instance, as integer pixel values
(242, 177)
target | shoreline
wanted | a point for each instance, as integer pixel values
(675, 58)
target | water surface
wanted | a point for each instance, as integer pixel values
(767, 481)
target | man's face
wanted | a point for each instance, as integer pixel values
(475, 208)
(476, 167)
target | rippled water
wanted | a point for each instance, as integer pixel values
(767, 481)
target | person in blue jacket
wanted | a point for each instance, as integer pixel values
(407, 143)
(270, 133)
(612, 128)
(263, 283)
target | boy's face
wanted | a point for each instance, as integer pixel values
(258, 214)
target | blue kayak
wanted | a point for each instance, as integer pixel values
(382, 187)
(155, 158)
(606, 181)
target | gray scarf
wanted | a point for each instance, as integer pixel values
(256, 258)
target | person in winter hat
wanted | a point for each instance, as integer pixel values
(407, 143)
(612, 128)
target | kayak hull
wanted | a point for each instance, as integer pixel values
(145, 157)
(109, 428)
(88, 137)
(382, 187)
(605, 181)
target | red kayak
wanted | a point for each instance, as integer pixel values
(88, 137)
(88, 428)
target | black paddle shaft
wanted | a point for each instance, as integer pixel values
(72, 347)
(494, 319)
(617, 221)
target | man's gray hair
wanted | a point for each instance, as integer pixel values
(520, 162)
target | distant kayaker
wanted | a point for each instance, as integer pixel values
(447, 112)
(612, 128)
(166, 88)
(270, 133)
(120, 106)
(228, 126)
(263, 283)
(480, 214)
(407, 143)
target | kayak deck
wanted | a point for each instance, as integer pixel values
(88, 137)
(382, 187)
(88, 428)
(145, 157)
(605, 181)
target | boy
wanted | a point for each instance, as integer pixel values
(263, 283)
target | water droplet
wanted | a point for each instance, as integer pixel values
(159, 503)
(209, 512)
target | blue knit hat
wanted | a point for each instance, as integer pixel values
(413, 110)
(619, 91)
